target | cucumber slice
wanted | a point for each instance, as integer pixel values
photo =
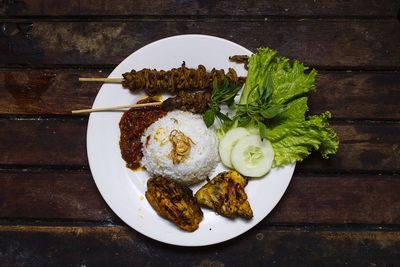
(252, 157)
(228, 141)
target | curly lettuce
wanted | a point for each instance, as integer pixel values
(274, 102)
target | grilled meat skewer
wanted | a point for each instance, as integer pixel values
(197, 102)
(172, 81)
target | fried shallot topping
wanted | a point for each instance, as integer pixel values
(181, 145)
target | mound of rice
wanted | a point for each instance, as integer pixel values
(201, 160)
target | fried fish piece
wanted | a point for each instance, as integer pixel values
(225, 194)
(175, 202)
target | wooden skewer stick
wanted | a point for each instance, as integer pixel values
(106, 80)
(116, 107)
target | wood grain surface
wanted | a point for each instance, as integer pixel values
(205, 7)
(310, 199)
(347, 95)
(364, 147)
(120, 246)
(324, 43)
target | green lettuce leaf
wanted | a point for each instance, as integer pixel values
(258, 67)
(290, 82)
(296, 139)
(274, 102)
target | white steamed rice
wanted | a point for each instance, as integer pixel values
(203, 156)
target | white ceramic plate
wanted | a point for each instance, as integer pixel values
(123, 189)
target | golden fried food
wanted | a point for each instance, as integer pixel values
(181, 145)
(225, 194)
(174, 202)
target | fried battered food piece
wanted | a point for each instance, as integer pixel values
(174, 202)
(225, 194)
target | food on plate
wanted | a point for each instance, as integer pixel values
(252, 156)
(174, 141)
(181, 145)
(198, 162)
(228, 142)
(196, 102)
(225, 194)
(172, 81)
(175, 202)
(132, 126)
(273, 103)
(244, 59)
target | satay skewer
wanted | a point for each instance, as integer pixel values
(90, 110)
(154, 82)
(105, 80)
(196, 102)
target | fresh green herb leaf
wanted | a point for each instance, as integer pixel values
(209, 117)
(222, 116)
(243, 121)
(272, 111)
(263, 130)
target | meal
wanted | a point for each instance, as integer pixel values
(248, 125)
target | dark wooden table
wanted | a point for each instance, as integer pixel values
(342, 211)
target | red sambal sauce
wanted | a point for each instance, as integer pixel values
(132, 126)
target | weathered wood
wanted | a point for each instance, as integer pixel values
(120, 246)
(43, 142)
(326, 43)
(52, 195)
(364, 147)
(209, 7)
(47, 91)
(308, 200)
(355, 199)
(345, 94)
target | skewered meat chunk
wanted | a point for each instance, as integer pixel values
(225, 194)
(175, 202)
(197, 102)
(172, 81)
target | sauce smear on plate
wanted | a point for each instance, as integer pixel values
(132, 126)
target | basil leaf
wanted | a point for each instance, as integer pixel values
(272, 111)
(263, 130)
(244, 121)
(209, 117)
(222, 116)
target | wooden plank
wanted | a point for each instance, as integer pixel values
(120, 246)
(325, 43)
(174, 7)
(52, 195)
(308, 200)
(47, 91)
(345, 94)
(354, 199)
(364, 147)
(43, 142)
